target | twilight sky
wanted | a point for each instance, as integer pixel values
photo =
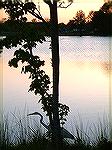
(64, 15)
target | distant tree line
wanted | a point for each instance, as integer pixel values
(96, 23)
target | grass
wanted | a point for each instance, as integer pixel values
(23, 133)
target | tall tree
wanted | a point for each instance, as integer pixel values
(16, 11)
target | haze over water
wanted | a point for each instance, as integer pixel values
(84, 78)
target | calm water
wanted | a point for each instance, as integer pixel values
(84, 78)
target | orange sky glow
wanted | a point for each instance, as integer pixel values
(64, 15)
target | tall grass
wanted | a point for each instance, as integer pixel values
(23, 133)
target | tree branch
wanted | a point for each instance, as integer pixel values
(48, 2)
(62, 6)
(37, 15)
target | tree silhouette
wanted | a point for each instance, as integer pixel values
(79, 20)
(77, 25)
(40, 81)
(102, 20)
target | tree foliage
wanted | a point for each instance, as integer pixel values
(102, 20)
(96, 23)
(26, 39)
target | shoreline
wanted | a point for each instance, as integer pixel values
(4, 34)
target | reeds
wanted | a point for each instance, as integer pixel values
(23, 133)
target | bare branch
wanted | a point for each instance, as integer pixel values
(36, 15)
(61, 5)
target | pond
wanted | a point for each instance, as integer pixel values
(84, 78)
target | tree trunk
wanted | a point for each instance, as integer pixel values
(56, 130)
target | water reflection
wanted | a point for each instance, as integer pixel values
(107, 68)
(1, 87)
(86, 83)
(84, 80)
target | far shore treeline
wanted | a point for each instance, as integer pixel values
(98, 23)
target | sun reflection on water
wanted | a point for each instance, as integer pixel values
(84, 77)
